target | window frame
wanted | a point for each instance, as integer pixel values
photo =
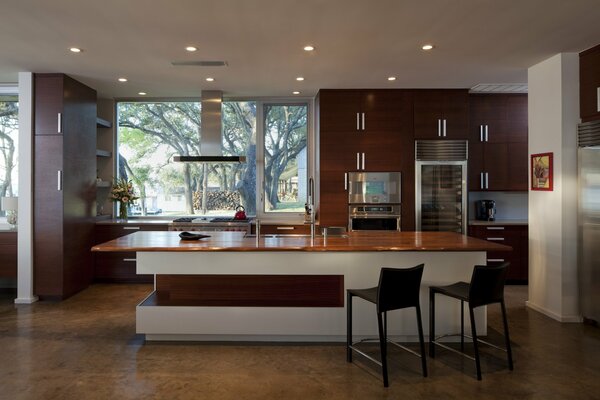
(274, 216)
(260, 156)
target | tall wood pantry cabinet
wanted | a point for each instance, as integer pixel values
(64, 185)
(363, 130)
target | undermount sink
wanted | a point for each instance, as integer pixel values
(280, 236)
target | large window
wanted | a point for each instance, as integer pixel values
(9, 136)
(285, 157)
(151, 133)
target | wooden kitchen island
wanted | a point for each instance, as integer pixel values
(287, 288)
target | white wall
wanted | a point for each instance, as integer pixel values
(553, 117)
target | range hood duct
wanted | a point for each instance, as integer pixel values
(210, 139)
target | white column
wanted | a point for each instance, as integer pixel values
(553, 119)
(25, 235)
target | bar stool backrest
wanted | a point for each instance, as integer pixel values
(487, 284)
(399, 288)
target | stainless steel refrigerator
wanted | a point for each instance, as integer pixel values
(441, 185)
(589, 219)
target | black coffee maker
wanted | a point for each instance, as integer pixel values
(485, 210)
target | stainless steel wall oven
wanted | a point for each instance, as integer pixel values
(374, 201)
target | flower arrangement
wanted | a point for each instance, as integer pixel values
(122, 191)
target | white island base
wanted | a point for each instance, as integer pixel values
(303, 324)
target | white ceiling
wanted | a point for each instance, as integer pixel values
(359, 43)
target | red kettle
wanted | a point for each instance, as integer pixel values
(240, 213)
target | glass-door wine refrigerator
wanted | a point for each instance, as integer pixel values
(441, 185)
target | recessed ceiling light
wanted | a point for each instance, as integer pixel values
(142, 93)
(122, 79)
(75, 49)
(427, 47)
(299, 78)
(391, 78)
(309, 48)
(295, 92)
(210, 79)
(191, 48)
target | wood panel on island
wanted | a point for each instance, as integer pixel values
(120, 267)
(498, 142)
(515, 236)
(64, 180)
(363, 130)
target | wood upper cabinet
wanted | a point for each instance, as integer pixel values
(64, 184)
(498, 142)
(589, 84)
(441, 114)
(378, 110)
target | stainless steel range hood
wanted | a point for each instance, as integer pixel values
(210, 139)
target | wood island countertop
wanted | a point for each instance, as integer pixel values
(154, 241)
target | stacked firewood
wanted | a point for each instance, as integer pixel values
(217, 200)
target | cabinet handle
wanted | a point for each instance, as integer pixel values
(481, 133)
(486, 133)
(439, 127)
(129, 259)
(444, 128)
(357, 122)
(131, 228)
(346, 181)
(59, 177)
(358, 161)
(285, 228)
(498, 239)
(495, 259)
(363, 121)
(495, 228)
(481, 181)
(363, 161)
(487, 181)
(59, 120)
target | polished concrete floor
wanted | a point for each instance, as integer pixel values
(86, 348)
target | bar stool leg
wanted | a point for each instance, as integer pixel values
(383, 349)
(462, 326)
(421, 341)
(431, 323)
(385, 325)
(476, 349)
(506, 337)
(349, 327)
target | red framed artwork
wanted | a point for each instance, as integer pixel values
(541, 172)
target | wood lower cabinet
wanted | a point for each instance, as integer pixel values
(119, 267)
(498, 142)
(282, 229)
(441, 114)
(515, 236)
(64, 185)
(8, 254)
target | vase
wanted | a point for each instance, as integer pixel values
(122, 210)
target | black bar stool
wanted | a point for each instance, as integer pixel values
(486, 287)
(398, 288)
